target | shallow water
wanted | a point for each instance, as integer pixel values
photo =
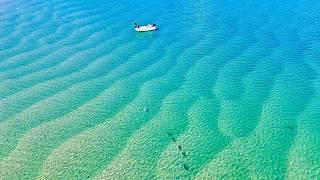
(223, 89)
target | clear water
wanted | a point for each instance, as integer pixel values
(224, 89)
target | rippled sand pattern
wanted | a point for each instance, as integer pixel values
(223, 90)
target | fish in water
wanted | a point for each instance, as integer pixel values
(173, 139)
(145, 109)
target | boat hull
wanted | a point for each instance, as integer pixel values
(146, 28)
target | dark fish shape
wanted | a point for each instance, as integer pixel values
(184, 154)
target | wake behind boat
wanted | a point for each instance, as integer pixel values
(145, 28)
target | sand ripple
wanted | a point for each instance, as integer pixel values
(211, 95)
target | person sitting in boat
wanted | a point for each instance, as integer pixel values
(136, 25)
(154, 25)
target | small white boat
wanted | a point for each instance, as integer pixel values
(148, 27)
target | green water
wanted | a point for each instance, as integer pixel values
(223, 90)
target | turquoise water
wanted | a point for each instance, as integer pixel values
(223, 90)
